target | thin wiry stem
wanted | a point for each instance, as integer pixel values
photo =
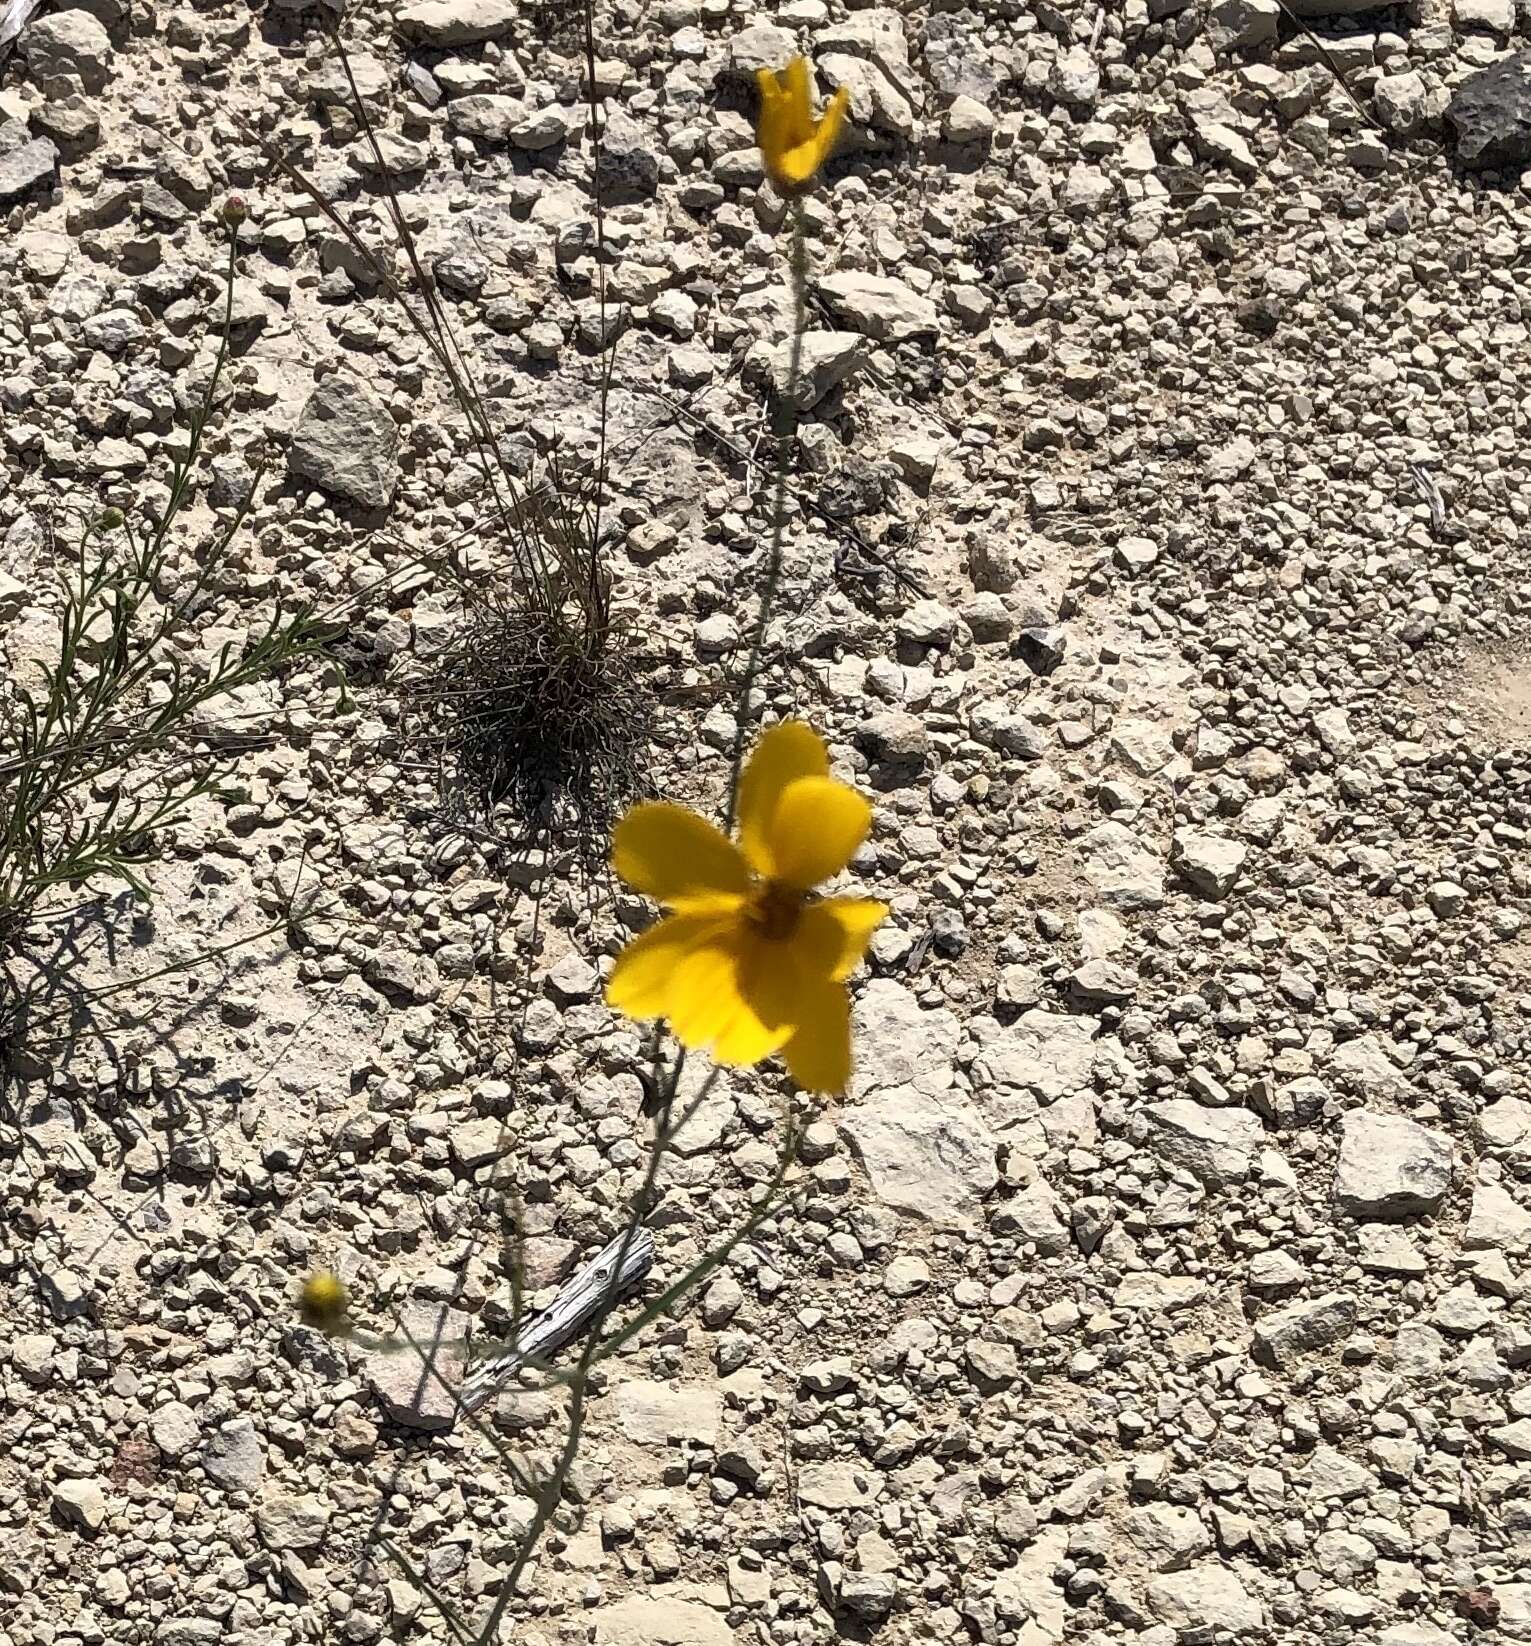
(81, 733)
(778, 506)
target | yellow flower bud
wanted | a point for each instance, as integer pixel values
(792, 145)
(323, 1302)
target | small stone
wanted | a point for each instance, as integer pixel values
(80, 1503)
(347, 442)
(1203, 1598)
(969, 121)
(722, 1301)
(878, 306)
(1491, 113)
(1389, 1166)
(457, 22)
(998, 725)
(1217, 1145)
(1208, 862)
(1243, 25)
(32, 166)
(174, 1428)
(657, 1620)
(234, 1456)
(659, 1414)
(416, 1387)
(838, 1485)
(1491, 16)
(573, 980)
(826, 360)
(292, 1522)
(68, 42)
(992, 1366)
(486, 116)
(928, 1155)
(1121, 868)
(1405, 105)
(1304, 1328)
(1497, 1220)
(65, 1293)
(905, 1276)
(1514, 1439)
(1334, 1477)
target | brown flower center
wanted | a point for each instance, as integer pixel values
(773, 910)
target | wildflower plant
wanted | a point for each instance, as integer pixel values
(748, 960)
(97, 755)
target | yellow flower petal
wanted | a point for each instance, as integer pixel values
(815, 829)
(819, 1054)
(795, 167)
(828, 134)
(639, 985)
(832, 936)
(792, 145)
(771, 125)
(798, 97)
(784, 754)
(770, 988)
(679, 859)
(704, 998)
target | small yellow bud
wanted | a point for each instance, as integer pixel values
(324, 1302)
(793, 145)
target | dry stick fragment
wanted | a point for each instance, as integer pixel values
(14, 17)
(588, 1295)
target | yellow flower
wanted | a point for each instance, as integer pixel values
(748, 962)
(323, 1301)
(791, 145)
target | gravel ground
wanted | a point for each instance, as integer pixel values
(1159, 564)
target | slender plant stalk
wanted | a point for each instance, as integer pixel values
(82, 733)
(784, 444)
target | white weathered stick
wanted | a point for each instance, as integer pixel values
(14, 15)
(579, 1301)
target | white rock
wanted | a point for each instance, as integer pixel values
(1493, 16)
(898, 1043)
(1218, 1145)
(80, 1503)
(969, 121)
(838, 1485)
(658, 1620)
(293, 1522)
(878, 306)
(1389, 1166)
(928, 1155)
(655, 1414)
(1305, 1327)
(174, 1428)
(1121, 868)
(487, 116)
(827, 359)
(234, 1456)
(1497, 1220)
(1209, 862)
(347, 442)
(1047, 1053)
(68, 43)
(1231, 461)
(1205, 1597)
(457, 22)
